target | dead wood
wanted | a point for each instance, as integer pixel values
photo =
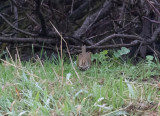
(103, 24)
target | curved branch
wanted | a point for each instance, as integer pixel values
(137, 41)
(130, 37)
(114, 46)
(110, 46)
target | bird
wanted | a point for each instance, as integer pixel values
(84, 59)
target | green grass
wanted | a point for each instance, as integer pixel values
(109, 88)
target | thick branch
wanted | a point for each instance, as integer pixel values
(114, 46)
(27, 40)
(94, 18)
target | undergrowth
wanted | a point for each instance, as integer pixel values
(111, 87)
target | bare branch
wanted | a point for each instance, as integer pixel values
(27, 33)
(109, 46)
(27, 40)
(117, 36)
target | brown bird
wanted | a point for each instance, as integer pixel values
(84, 59)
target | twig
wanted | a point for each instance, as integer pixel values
(67, 51)
(153, 51)
(72, 6)
(32, 19)
(18, 57)
(42, 66)
(61, 59)
(138, 50)
(95, 36)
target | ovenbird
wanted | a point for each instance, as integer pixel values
(84, 59)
